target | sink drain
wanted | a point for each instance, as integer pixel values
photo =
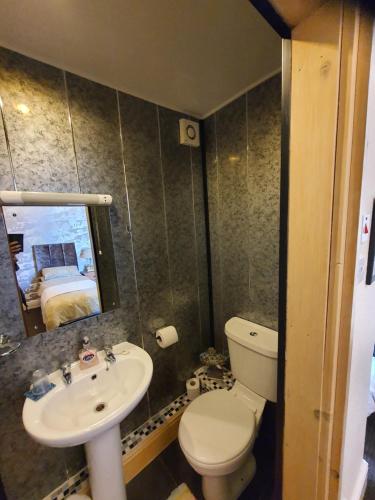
(100, 407)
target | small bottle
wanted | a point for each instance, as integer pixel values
(40, 383)
(88, 356)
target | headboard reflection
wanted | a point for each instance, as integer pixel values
(54, 255)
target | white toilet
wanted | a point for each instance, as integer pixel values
(218, 429)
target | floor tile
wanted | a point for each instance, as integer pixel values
(153, 483)
(181, 470)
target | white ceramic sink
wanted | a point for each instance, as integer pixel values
(90, 409)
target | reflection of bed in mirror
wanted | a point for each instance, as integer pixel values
(65, 294)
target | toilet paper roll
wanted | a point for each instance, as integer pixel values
(166, 336)
(193, 388)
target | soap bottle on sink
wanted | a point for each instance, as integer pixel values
(88, 355)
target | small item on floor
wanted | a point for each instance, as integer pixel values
(182, 492)
(35, 397)
(193, 388)
(214, 361)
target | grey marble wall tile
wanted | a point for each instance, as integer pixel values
(23, 476)
(165, 386)
(96, 131)
(139, 124)
(40, 137)
(6, 177)
(243, 200)
(264, 134)
(182, 248)
(233, 207)
(10, 313)
(144, 181)
(42, 149)
(201, 241)
(178, 187)
(136, 418)
(213, 192)
(35, 476)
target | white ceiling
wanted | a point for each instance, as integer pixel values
(189, 56)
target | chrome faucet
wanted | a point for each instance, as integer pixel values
(66, 372)
(109, 356)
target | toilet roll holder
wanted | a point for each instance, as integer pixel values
(162, 339)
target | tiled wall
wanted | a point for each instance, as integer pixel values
(243, 170)
(81, 136)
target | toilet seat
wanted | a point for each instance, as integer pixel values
(216, 432)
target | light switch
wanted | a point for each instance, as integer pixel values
(361, 269)
(365, 228)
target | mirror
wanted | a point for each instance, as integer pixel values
(62, 258)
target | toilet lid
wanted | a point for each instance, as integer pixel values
(216, 427)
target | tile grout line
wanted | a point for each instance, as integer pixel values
(11, 164)
(71, 128)
(248, 203)
(219, 231)
(130, 231)
(165, 214)
(196, 247)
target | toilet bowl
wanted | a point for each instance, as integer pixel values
(218, 429)
(216, 434)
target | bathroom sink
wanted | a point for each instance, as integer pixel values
(98, 398)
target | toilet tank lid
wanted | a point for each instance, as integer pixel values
(252, 336)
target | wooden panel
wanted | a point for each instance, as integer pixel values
(342, 179)
(314, 103)
(356, 146)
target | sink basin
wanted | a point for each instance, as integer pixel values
(97, 399)
(90, 409)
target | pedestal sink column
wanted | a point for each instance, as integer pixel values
(104, 459)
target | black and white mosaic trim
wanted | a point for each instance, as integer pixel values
(135, 437)
(210, 384)
(75, 483)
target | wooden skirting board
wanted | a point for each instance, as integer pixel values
(145, 452)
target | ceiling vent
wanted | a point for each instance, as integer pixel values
(189, 133)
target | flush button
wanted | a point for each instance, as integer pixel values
(253, 334)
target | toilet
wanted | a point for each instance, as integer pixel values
(218, 429)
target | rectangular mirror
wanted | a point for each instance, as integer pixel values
(62, 258)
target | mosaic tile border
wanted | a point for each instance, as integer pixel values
(210, 384)
(135, 437)
(75, 483)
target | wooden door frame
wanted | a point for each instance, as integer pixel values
(322, 417)
(354, 140)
